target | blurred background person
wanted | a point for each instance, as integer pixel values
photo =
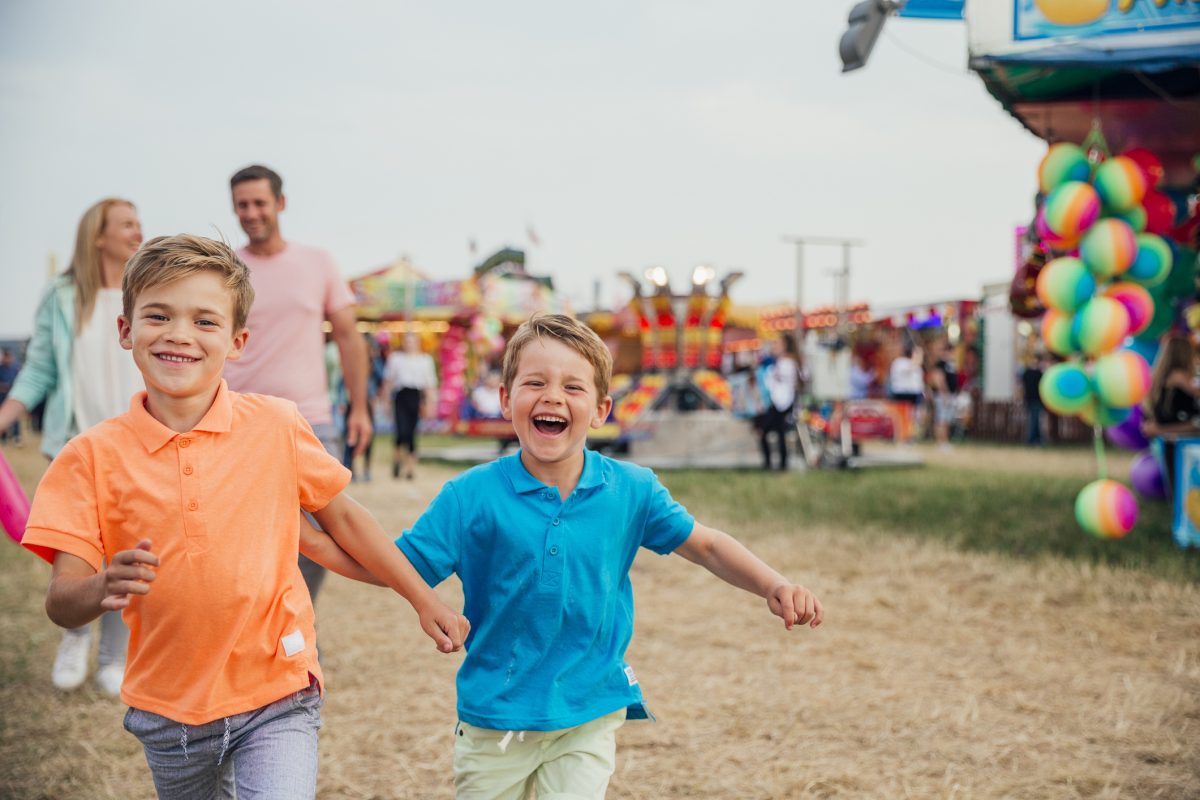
(906, 383)
(862, 378)
(75, 363)
(943, 386)
(9, 367)
(1031, 381)
(410, 379)
(1171, 409)
(342, 405)
(485, 398)
(780, 378)
(297, 289)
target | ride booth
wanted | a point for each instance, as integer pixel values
(671, 405)
(464, 324)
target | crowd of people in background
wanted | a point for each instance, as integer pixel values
(924, 379)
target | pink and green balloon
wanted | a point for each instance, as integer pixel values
(1106, 509)
(1100, 325)
(1120, 183)
(1056, 333)
(1137, 302)
(1065, 389)
(1152, 263)
(1065, 284)
(1108, 247)
(1071, 209)
(1063, 162)
(1121, 379)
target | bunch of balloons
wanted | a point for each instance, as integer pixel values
(1098, 290)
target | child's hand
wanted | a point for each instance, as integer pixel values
(128, 573)
(445, 626)
(795, 605)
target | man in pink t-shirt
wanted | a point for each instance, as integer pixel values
(296, 289)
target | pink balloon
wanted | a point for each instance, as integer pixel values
(14, 505)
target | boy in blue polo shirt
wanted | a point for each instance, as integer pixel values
(543, 541)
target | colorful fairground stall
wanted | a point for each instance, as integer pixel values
(668, 352)
(462, 323)
(848, 353)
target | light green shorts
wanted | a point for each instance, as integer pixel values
(571, 764)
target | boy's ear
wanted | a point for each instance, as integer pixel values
(505, 406)
(602, 411)
(239, 345)
(125, 332)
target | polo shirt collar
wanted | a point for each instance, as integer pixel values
(523, 482)
(154, 435)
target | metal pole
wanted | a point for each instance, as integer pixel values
(800, 292)
(800, 241)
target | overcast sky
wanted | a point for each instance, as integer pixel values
(625, 133)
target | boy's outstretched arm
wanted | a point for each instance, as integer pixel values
(321, 548)
(732, 562)
(78, 594)
(357, 532)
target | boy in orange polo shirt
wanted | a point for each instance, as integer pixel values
(191, 498)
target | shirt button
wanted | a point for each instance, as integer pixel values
(555, 520)
(193, 505)
(554, 550)
(184, 442)
(187, 470)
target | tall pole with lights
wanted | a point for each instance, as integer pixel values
(800, 241)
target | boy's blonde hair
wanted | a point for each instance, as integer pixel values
(571, 332)
(166, 259)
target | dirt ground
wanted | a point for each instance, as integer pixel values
(936, 675)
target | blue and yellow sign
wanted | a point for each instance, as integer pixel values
(1082, 19)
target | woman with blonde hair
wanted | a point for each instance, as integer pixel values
(74, 361)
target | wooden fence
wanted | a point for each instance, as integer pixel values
(1007, 421)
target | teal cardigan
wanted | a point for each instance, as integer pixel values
(46, 373)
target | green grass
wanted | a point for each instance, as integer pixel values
(1021, 516)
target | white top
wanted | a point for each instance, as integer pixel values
(409, 371)
(486, 400)
(105, 374)
(905, 377)
(781, 379)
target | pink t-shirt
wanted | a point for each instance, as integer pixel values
(294, 292)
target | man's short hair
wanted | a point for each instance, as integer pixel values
(569, 331)
(257, 172)
(166, 259)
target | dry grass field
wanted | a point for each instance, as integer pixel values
(938, 674)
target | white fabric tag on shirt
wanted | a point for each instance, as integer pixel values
(629, 674)
(293, 643)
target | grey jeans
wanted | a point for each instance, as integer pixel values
(269, 753)
(314, 573)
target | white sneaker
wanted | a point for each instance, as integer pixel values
(71, 663)
(109, 678)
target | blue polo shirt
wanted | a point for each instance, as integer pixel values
(547, 585)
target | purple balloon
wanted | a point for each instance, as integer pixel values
(1146, 477)
(1128, 434)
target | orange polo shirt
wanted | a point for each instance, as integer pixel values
(227, 626)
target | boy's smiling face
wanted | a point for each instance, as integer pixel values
(181, 334)
(552, 404)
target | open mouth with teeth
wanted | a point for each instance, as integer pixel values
(549, 424)
(173, 358)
